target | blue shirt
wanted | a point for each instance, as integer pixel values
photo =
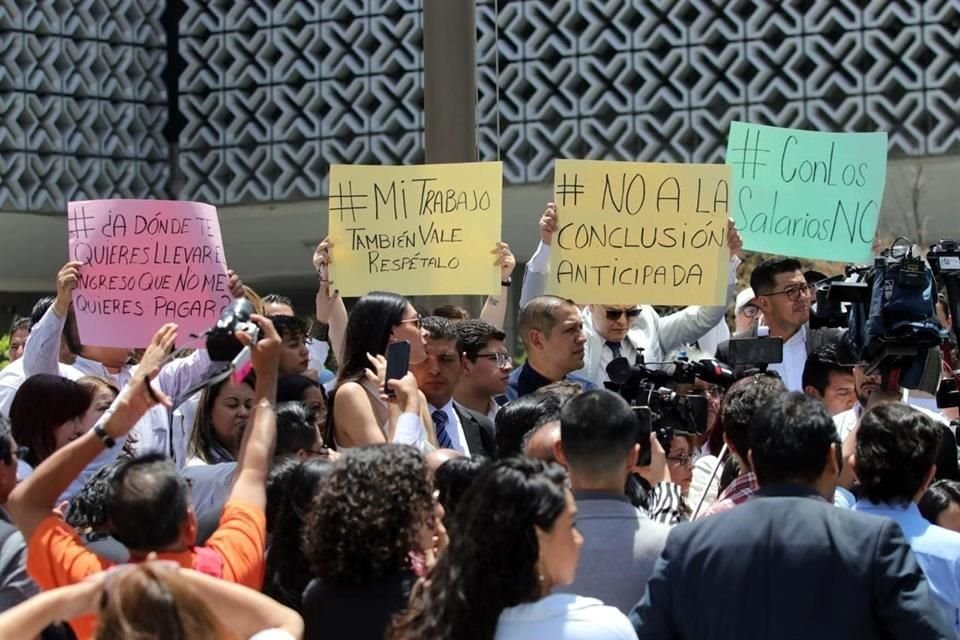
(937, 551)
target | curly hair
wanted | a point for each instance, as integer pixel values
(366, 516)
(491, 563)
(88, 509)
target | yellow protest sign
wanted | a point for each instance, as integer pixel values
(419, 230)
(640, 233)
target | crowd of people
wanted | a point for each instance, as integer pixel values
(153, 493)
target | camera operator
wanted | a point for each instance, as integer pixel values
(784, 297)
(613, 331)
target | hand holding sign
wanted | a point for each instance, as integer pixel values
(548, 224)
(67, 280)
(734, 241)
(505, 260)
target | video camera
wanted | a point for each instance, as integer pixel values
(944, 261)
(222, 344)
(670, 412)
(892, 319)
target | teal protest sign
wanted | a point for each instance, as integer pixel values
(807, 194)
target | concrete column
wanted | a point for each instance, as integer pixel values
(450, 98)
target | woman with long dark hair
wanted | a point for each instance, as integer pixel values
(288, 572)
(361, 413)
(515, 540)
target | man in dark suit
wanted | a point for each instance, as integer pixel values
(456, 427)
(787, 563)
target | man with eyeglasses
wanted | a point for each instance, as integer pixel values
(784, 296)
(614, 331)
(746, 311)
(456, 427)
(485, 367)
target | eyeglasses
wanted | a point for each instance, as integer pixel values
(683, 460)
(750, 310)
(416, 321)
(615, 314)
(793, 293)
(503, 359)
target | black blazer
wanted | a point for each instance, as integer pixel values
(788, 565)
(479, 432)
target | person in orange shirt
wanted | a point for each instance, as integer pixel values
(148, 506)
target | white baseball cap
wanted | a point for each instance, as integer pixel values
(743, 298)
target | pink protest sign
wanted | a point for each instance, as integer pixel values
(145, 263)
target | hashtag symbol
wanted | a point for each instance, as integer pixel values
(345, 202)
(746, 160)
(573, 189)
(78, 224)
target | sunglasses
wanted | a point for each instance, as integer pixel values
(615, 314)
(416, 321)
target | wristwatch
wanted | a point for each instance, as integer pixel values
(507, 282)
(105, 438)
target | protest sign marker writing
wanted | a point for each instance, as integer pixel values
(632, 233)
(426, 229)
(145, 263)
(807, 194)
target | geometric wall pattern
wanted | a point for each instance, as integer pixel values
(662, 80)
(82, 102)
(274, 94)
(270, 92)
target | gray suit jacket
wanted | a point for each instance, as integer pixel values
(788, 565)
(620, 547)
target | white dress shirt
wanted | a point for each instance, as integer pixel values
(492, 410)
(794, 358)
(458, 440)
(627, 350)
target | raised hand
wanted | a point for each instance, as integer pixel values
(505, 260)
(67, 279)
(548, 224)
